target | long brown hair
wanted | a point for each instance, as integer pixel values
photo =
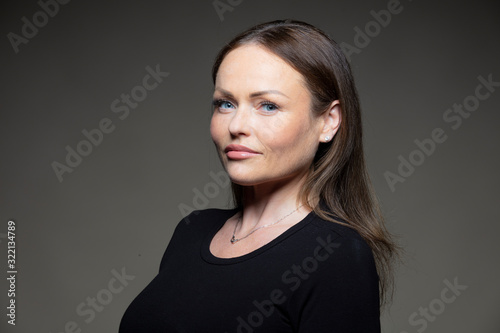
(337, 178)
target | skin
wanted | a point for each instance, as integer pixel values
(262, 103)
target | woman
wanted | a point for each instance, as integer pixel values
(305, 248)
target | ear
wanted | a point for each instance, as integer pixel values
(331, 121)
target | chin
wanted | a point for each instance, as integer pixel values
(244, 181)
(246, 178)
(252, 179)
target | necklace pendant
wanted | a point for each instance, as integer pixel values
(233, 240)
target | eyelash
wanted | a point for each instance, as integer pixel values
(270, 103)
(218, 102)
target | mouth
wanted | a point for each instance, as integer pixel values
(239, 152)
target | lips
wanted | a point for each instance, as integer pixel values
(239, 152)
(239, 148)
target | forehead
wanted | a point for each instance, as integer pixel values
(254, 67)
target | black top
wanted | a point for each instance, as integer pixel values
(317, 276)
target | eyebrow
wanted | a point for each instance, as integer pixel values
(254, 94)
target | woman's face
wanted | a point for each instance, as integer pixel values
(262, 123)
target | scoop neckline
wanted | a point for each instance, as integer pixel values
(209, 257)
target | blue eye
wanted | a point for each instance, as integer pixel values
(226, 105)
(269, 107)
(222, 104)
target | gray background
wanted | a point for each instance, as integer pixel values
(119, 207)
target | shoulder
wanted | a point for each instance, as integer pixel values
(334, 282)
(340, 256)
(347, 240)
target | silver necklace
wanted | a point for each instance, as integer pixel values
(234, 239)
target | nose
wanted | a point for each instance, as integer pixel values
(240, 123)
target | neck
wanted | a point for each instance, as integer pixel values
(268, 202)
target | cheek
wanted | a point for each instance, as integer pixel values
(293, 141)
(273, 129)
(216, 128)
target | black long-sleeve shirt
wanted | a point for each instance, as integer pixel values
(318, 276)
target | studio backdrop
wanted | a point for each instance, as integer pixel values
(105, 146)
